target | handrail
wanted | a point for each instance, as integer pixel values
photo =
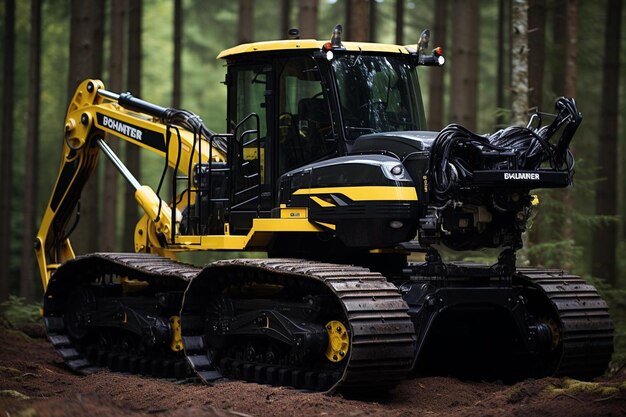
(243, 143)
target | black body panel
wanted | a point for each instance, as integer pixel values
(362, 223)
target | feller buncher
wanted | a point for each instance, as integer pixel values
(328, 167)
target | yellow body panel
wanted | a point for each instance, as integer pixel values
(321, 202)
(291, 213)
(299, 44)
(365, 193)
(260, 234)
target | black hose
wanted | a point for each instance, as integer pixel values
(454, 151)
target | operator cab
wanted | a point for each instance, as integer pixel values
(310, 101)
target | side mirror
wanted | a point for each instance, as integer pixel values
(335, 43)
(435, 59)
(422, 44)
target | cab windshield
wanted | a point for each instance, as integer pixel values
(378, 93)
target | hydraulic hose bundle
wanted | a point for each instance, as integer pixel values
(456, 153)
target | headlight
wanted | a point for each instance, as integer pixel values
(397, 170)
(396, 224)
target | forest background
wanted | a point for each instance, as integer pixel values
(500, 53)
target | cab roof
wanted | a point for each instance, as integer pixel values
(309, 44)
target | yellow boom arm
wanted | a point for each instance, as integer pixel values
(92, 113)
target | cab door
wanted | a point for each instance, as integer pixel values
(250, 112)
(306, 131)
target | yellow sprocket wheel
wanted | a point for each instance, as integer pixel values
(554, 331)
(338, 341)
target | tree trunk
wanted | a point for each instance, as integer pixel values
(358, 21)
(502, 59)
(307, 19)
(571, 49)
(285, 18)
(464, 60)
(605, 237)
(134, 86)
(32, 151)
(346, 19)
(116, 81)
(245, 31)
(519, 63)
(373, 21)
(86, 44)
(86, 40)
(436, 87)
(537, 51)
(536, 59)
(558, 46)
(400, 22)
(7, 148)
(569, 90)
(178, 49)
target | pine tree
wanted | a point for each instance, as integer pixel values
(308, 18)
(32, 151)
(116, 77)
(6, 153)
(86, 45)
(519, 62)
(134, 86)
(436, 86)
(604, 262)
(464, 63)
(245, 27)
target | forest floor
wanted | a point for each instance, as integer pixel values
(35, 382)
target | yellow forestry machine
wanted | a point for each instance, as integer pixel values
(328, 167)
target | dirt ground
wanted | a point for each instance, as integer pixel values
(35, 382)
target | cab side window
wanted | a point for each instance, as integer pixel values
(305, 128)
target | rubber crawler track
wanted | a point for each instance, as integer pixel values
(382, 346)
(383, 341)
(585, 327)
(156, 270)
(382, 336)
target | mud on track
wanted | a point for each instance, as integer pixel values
(35, 382)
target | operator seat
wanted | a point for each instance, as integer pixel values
(313, 126)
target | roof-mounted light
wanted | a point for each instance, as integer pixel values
(438, 55)
(293, 33)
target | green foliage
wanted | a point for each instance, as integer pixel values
(556, 253)
(568, 386)
(554, 213)
(504, 113)
(8, 393)
(17, 311)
